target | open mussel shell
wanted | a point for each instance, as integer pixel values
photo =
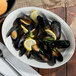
(26, 21)
(40, 56)
(57, 54)
(61, 43)
(16, 35)
(39, 52)
(9, 32)
(27, 24)
(37, 57)
(56, 28)
(16, 26)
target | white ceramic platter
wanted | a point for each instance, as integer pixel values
(8, 23)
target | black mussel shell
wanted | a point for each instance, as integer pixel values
(15, 42)
(26, 21)
(37, 57)
(53, 59)
(40, 22)
(61, 43)
(49, 49)
(29, 53)
(22, 39)
(46, 21)
(17, 39)
(43, 57)
(40, 55)
(17, 23)
(16, 26)
(9, 32)
(22, 51)
(40, 28)
(31, 27)
(56, 28)
(57, 54)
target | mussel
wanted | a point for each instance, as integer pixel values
(39, 53)
(57, 54)
(17, 23)
(29, 24)
(40, 22)
(22, 51)
(28, 54)
(15, 26)
(40, 28)
(25, 21)
(46, 21)
(61, 43)
(22, 39)
(16, 35)
(21, 45)
(40, 56)
(52, 59)
(9, 32)
(56, 28)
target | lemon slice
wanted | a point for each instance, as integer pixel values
(28, 43)
(34, 15)
(32, 34)
(25, 30)
(51, 33)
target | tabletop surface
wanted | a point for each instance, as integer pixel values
(68, 69)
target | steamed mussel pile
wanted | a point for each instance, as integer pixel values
(35, 35)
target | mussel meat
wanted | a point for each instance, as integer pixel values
(29, 24)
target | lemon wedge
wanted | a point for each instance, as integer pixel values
(51, 33)
(28, 43)
(25, 30)
(34, 15)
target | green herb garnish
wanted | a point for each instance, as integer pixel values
(27, 35)
(54, 49)
(48, 40)
(65, 42)
(40, 50)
